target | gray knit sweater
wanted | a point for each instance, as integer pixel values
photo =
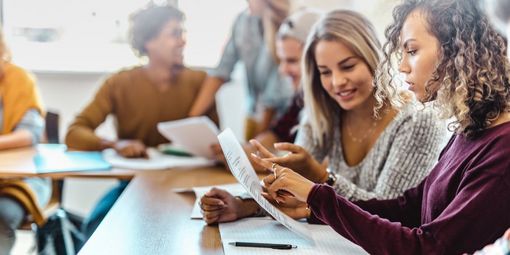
(400, 158)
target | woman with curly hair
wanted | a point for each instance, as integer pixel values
(448, 53)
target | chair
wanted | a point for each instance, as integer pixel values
(51, 135)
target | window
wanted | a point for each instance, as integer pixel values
(91, 36)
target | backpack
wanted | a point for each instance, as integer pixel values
(60, 235)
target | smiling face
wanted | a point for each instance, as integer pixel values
(289, 51)
(168, 46)
(420, 53)
(345, 76)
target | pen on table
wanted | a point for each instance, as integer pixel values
(264, 245)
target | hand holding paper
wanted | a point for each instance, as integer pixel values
(243, 171)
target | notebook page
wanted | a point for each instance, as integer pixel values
(266, 230)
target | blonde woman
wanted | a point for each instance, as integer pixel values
(378, 141)
(448, 53)
(252, 42)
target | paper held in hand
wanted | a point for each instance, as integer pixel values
(242, 169)
(194, 135)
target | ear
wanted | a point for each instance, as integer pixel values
(149, 45)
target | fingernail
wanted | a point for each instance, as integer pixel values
(254, 155)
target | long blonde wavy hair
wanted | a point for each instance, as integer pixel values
(471, 81)
(356, 32)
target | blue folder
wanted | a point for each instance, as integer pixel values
(52, 158)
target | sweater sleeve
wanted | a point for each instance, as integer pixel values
(458, 229)
(80, 134)
(414, 151)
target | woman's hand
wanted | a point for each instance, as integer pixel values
(220, 206)
(293, 207)
(298, 159)
(284, 182)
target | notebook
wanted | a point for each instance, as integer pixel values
(53, 158)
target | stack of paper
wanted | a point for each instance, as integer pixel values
(156, 161)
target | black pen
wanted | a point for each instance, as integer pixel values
(264, 245)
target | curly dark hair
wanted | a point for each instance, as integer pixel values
(472, 75)
(147, 24)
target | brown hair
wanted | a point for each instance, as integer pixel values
(147, 24)
(473, 69)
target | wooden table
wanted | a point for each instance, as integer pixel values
(150, 218)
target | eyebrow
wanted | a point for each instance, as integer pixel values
(341, 62)
(406, 43)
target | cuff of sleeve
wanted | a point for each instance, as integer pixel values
(314, 203)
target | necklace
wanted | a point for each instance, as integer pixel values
(367, 134)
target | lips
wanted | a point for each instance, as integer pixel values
(346, 94)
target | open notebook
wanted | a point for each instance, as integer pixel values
(266, 230)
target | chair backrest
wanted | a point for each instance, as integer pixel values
(52, 129)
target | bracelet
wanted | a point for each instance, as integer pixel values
(331, 177)
(308, 212)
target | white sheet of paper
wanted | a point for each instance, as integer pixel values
(156, 161)
(235, 189)
(242, 169)
(195, 135)
(266, 230)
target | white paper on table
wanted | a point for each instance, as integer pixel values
(234, 189)
(242, 169)
(156, 161)
(266, 230)
(195, 135)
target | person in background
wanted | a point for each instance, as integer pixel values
(379, 140)
(252, 42)
(290, 41)
(21, 125)
(448, 53)
(140, 97)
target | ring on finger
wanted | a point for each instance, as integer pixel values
(273, 167)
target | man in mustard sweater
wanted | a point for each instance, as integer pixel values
(140, 97)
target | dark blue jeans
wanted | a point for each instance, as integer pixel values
(101, 209)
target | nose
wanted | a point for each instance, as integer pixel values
(283, 68)
(404, 67)
(339, 79)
